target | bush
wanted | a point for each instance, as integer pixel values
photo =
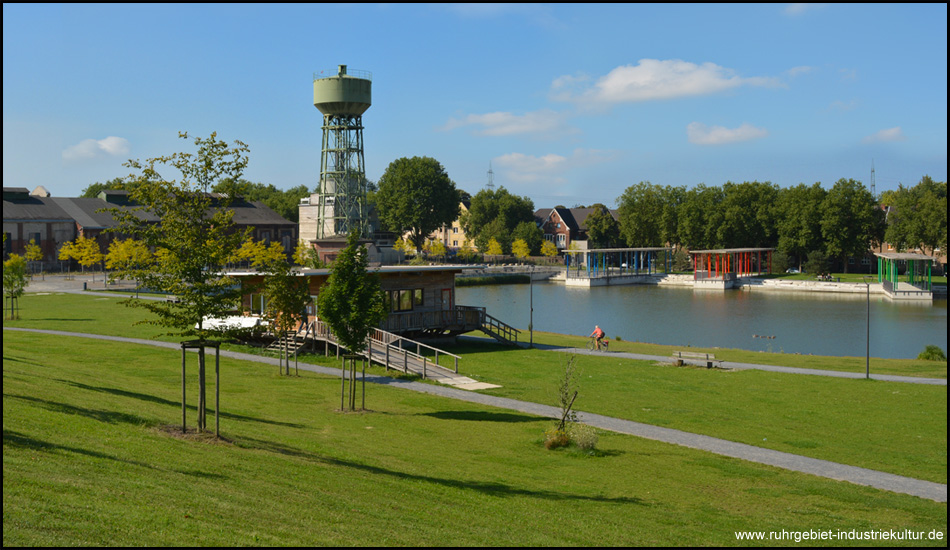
(584, 436)
(555, 438)
(932, 353)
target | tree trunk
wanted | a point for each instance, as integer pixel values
(201, 389)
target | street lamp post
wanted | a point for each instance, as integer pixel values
(867, 349)
(531, 312)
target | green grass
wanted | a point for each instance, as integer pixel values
(847, 421)
(889, 426)
(899, 367)
(86, 461)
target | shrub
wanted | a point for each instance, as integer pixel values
(555, 438)
(584, 436)
(932, 353)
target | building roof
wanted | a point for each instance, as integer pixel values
(574, 218)
(904, 256)
(18, 205)
(30, 208)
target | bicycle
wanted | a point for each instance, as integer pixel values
(592, 344)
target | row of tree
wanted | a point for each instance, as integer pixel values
(843, 221)
(284, 202)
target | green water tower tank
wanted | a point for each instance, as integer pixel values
(343, 94)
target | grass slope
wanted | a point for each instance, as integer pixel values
(86, 461)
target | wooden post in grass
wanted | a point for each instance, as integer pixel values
(566, 412)
(201, 345)
(348, 396)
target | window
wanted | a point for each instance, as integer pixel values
(405, 300)
(257, 304)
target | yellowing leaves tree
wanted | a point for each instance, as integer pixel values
(194, 240)
(520, 249)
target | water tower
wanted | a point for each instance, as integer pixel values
(341, 196)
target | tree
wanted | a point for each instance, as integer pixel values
(699, 216)
(193, 242)
(467, 252)
(128, 256)
(747, 215)
(520, 249)
(851, 220)
(918, 216)
(435, 249)
(602, 229)
(531, 234)
(33, 254)
(84, 250)
(92, 191)
(416, 196)
(641, 215)
(286, 203)
(798, 220)
(307, 256)
(352, 301)
(549, 249)
(14, 283)
(286, 295)
(494, 248)
(494, 214)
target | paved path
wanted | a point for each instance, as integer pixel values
(822, 468)
(741, 366)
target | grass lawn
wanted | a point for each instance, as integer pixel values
(893, 427)
(87, 461)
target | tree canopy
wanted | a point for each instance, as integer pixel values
(495, 214)
(417, 196)
(196, 235)
(352, 301)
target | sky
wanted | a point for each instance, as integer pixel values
(566, 104)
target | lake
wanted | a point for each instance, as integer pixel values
(805, 323)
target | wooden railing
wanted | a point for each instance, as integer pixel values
(390, 350)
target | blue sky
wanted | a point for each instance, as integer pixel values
(568, 104)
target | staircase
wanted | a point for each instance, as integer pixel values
(291, 341)
(396, 352)
(500, 331)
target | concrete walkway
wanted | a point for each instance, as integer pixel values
(822, 468)
(772, 368)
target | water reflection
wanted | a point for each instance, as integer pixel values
(823, 324)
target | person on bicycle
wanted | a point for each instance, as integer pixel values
(598, 334)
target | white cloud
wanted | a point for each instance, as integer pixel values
(654, 79)
(92, 148)
(545, 122)
(795, 10)
(700, 134)
(884, 136)
(550, 168)
(795, 71)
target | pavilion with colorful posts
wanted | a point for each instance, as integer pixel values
(615, 266)
(722, 268)
(905, 275)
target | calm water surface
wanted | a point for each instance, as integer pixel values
(800, 322)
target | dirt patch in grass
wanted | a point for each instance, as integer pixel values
(192, 434)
